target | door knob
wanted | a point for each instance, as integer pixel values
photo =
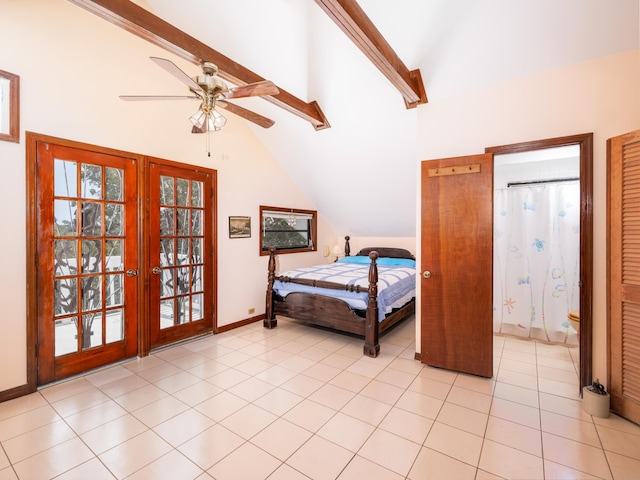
(156, 270)
(131, 272)
(426, 274)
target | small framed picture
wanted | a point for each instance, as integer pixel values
(239, 227)
(9, 107)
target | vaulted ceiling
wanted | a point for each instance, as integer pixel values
(343, 129)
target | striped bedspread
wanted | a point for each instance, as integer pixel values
(396, 285)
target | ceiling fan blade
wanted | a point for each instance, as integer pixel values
(246, 114)
(136, 98)
(266, 87)
(173, 69)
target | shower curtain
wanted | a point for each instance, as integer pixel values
(536, 263)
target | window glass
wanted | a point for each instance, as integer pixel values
(289, 230)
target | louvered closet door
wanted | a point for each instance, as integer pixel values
(624, 274)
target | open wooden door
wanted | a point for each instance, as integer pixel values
(623, 262)
(457, 264)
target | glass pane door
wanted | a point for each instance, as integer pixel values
(180, 249)
(87, 243)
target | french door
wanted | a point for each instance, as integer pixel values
(123, 250)
(181, 225)
(86, 260)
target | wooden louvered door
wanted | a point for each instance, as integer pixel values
(623, 157)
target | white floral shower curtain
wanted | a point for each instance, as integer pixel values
(537, 260)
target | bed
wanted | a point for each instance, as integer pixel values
(363, 295)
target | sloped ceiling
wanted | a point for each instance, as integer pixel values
(362, 172)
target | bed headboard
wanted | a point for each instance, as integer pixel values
(389, 252)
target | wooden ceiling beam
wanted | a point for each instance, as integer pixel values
(352, 20)
(144, 24)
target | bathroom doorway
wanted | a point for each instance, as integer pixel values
(543, 275)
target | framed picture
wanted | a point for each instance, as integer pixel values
(239, 227)
(9, 107)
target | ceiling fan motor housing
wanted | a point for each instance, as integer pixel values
(210, 82)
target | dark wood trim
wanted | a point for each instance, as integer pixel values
(144, 328)
(32, 266)
(140, 22)
(352, 20)
(15, 392)
(14, 107)
(241, 323)
(585, 141)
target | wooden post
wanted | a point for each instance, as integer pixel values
(371, 345)
(270, 320)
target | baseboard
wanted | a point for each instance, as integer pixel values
(15, 392)
(417, 356)
(241, 323)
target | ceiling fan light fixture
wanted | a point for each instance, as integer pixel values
(211, 121)
(219, 120)
(198, 118)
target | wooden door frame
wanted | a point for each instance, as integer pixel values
(585, 142)
(32, 140)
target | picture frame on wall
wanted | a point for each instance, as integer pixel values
(239, 227)
(9, 107)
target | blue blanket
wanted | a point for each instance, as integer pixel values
(396, 285)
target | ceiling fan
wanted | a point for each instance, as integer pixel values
(212, 92)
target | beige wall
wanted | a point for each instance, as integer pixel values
(601, 96)
(72, 67)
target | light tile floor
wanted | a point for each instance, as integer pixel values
(297, 403)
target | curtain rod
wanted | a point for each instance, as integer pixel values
(537, 182)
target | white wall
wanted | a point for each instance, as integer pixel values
(601, 96)
(72, 67)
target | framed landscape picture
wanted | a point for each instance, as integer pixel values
(239, 227)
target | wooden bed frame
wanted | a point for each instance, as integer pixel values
(320, 310)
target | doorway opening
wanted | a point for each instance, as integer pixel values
(537, 244)
(560, 159)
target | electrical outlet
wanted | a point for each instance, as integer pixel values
(252, 310)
